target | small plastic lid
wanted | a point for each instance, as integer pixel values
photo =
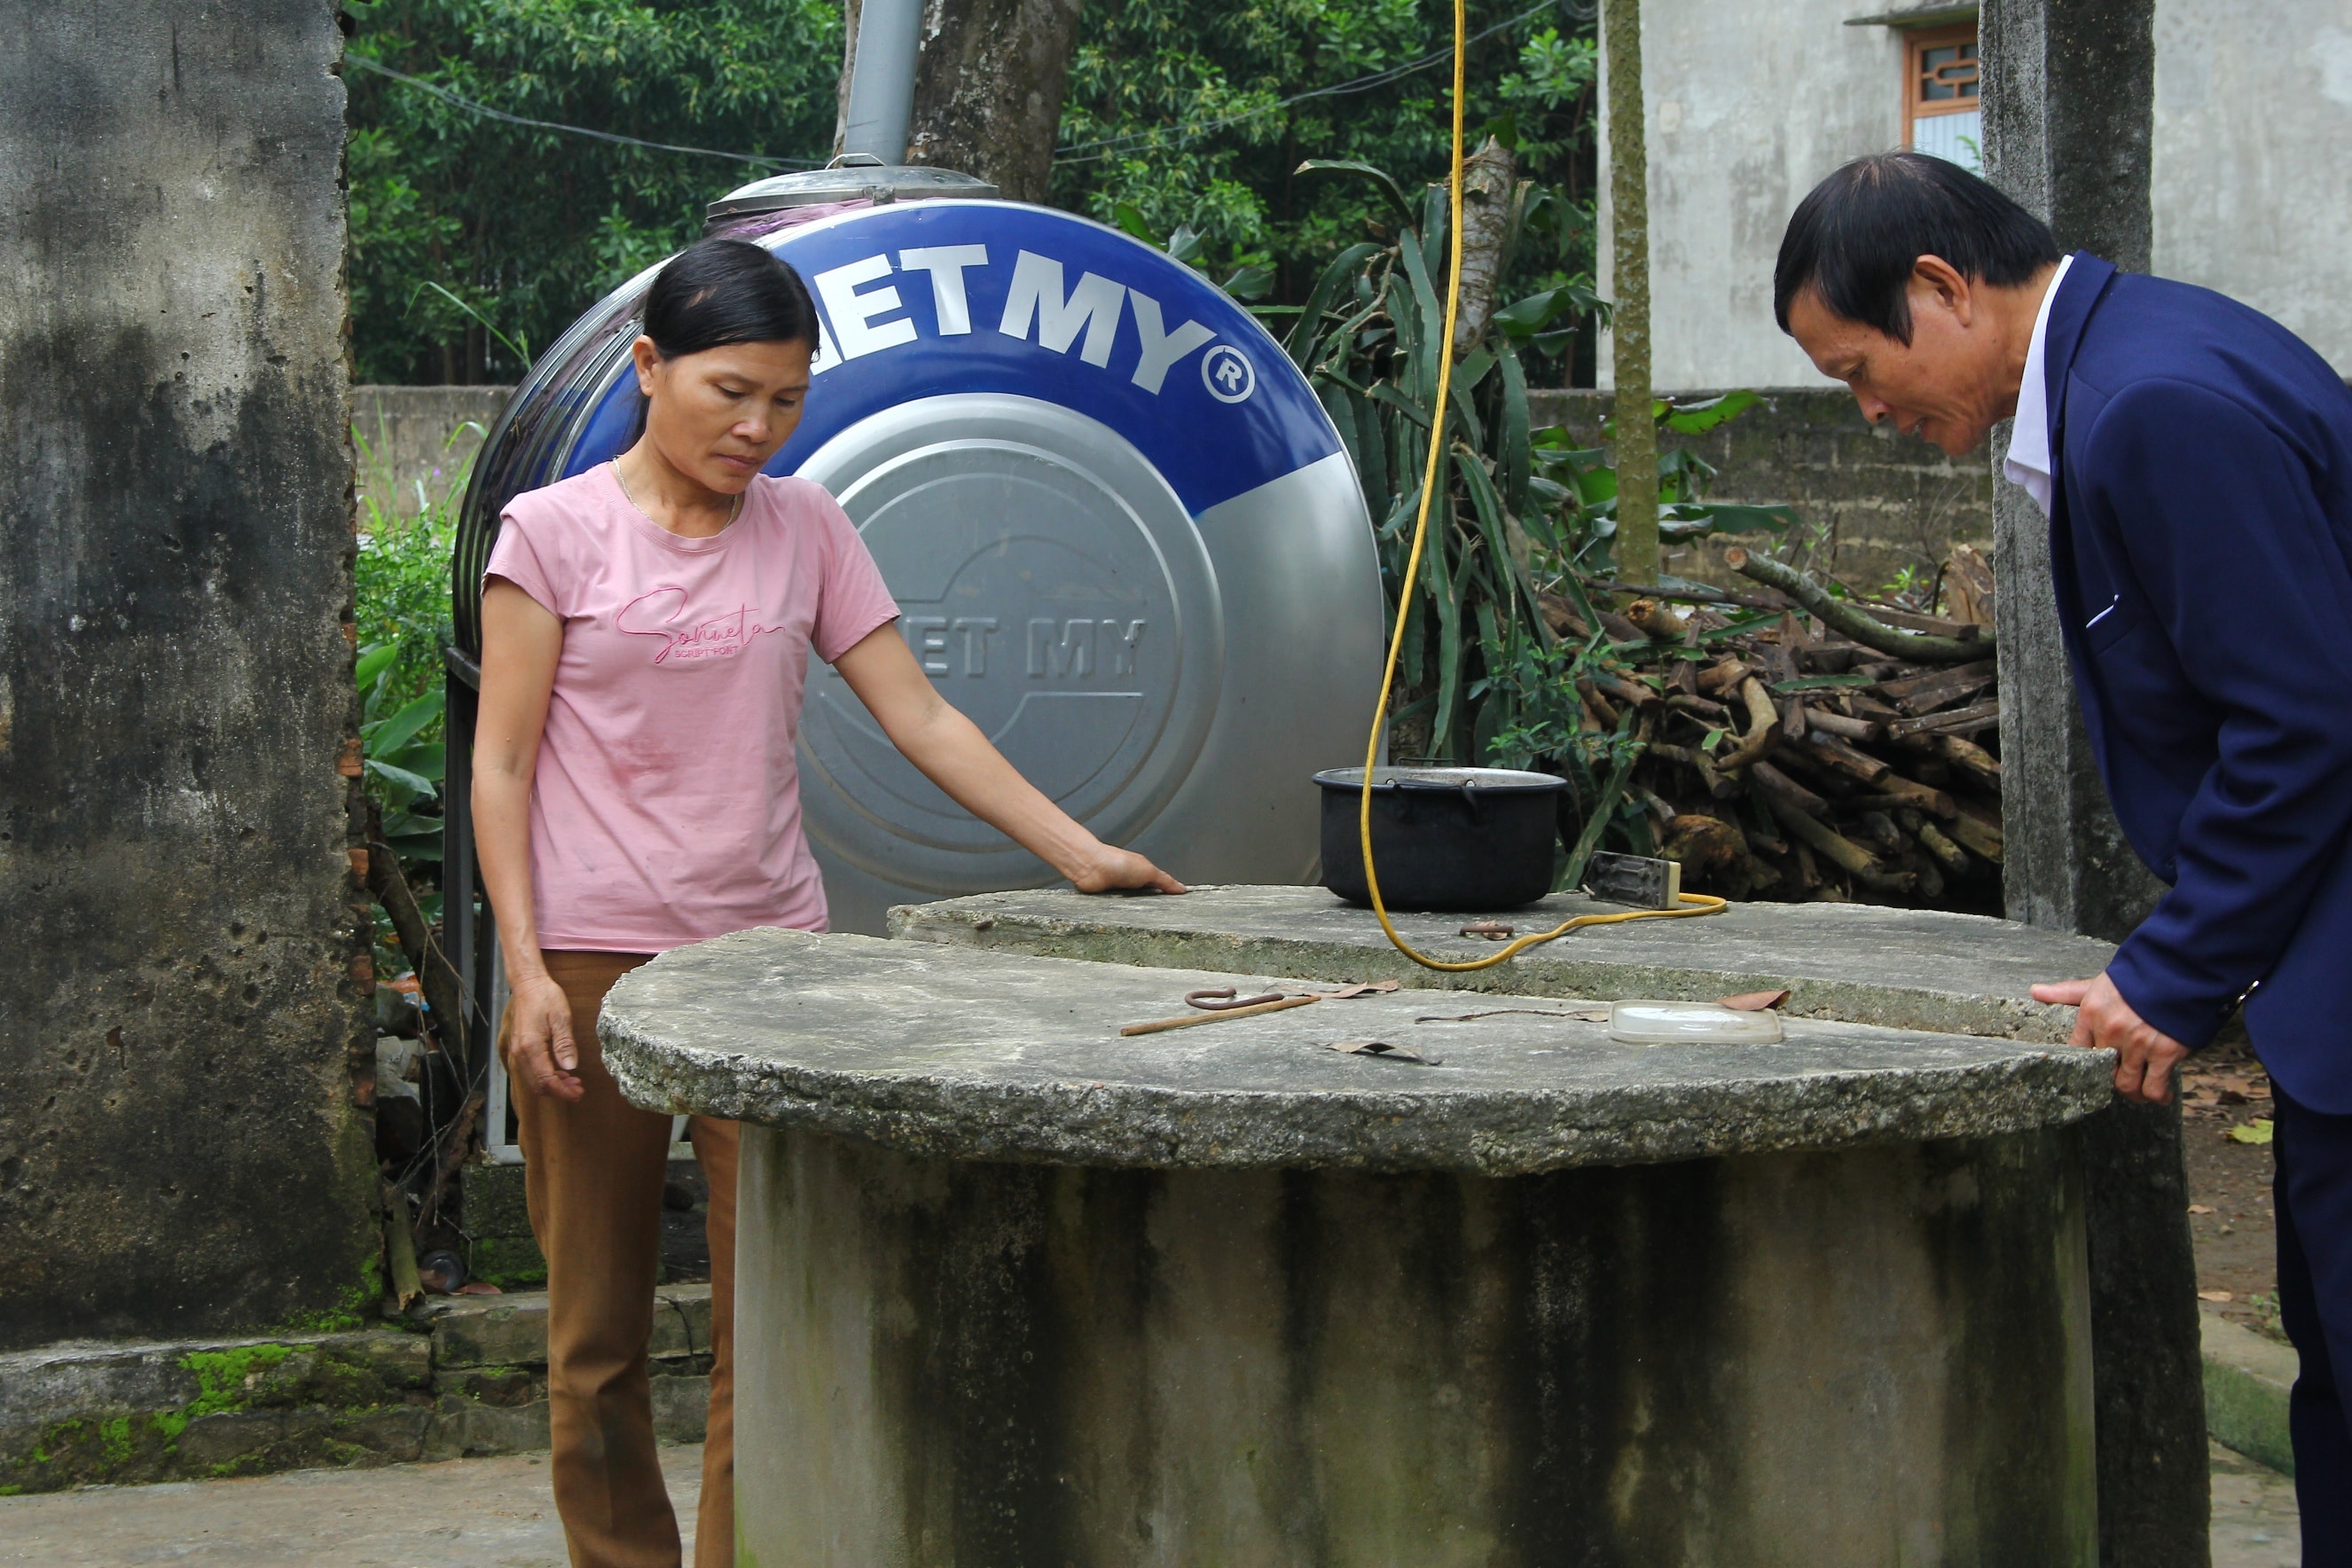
(1691, 1023)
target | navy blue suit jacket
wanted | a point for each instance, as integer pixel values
(2201, 540)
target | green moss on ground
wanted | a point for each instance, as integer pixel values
(509, 1262)
(347, 1383)
(230, 1378)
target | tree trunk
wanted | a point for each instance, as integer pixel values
(988, 88)
(850, 12)
(1488, 178)
(1628, 205)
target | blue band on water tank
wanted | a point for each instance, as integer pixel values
(1052, 307)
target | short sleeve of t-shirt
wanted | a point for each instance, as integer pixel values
(853, 599)
(524, 530)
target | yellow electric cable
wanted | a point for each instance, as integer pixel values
(1692, 903)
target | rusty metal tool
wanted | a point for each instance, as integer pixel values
(1189, 1020)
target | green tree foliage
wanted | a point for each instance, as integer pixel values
(466, 231)
(475, 241)
(1176, 110)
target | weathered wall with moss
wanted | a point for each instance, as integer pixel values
(1882, 501)
(180, 1001)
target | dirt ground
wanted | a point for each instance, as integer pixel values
(464, 1513)
(496, 1513)
(2224, 1089)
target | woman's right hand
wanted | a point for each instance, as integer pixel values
(539, 1048)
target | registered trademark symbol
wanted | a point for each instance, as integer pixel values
(1227, 372)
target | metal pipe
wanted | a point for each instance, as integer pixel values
(882, 79)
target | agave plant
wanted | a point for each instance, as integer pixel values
(1502, 625)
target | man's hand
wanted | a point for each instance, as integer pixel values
(1109, 869)
(2145, 1056)
(540, 1048)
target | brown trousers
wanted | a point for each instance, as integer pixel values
(593, 1171)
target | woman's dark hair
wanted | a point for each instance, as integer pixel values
(1857, 234)
(724, 291)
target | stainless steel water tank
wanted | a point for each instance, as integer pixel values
(1122, 531)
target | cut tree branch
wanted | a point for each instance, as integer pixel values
(1920, 648)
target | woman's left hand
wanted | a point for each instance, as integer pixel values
(1109, 870)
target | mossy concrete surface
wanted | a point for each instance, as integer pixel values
(1860, 963)
(2247, 1381)
(503, 1252)
(185, 1051)
(467, 1375)
(1873, 1357)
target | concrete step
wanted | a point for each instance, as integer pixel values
(2247, 1377)
(511, 1330)
(463, 1375)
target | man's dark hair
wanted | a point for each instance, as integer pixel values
(1857, 235)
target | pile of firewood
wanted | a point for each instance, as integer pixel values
(1846, 750)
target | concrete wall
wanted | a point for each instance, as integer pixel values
(417, 444)
(1842, 1360)
(1750, 106)
(180, 1002)
(1882, 501)
(2254, 194)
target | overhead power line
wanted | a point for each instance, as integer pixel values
(1110, 146)
(1092, 151)
(487, 112)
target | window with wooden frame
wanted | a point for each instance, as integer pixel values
(1940, 111)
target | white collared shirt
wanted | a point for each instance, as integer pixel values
(2031, 465)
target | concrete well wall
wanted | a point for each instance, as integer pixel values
(1873, 1356)
(180, 1004)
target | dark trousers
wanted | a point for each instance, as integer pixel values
(2314, 1200)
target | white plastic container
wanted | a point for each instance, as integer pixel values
(1691, 1024)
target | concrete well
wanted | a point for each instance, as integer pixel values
(1909, 969)
(1014, 1289)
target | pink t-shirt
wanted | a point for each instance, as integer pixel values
(667, 805)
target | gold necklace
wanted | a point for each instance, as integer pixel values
(733, 511)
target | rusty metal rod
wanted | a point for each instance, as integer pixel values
(1189, 1020)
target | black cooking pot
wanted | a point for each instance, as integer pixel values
(1442, 838)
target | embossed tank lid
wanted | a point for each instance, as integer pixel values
(852, 177)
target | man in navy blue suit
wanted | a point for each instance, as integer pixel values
(2195, 460)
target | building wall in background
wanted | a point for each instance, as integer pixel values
(417, 444)
(2253, 191)
(183, 1045)
(1750, 106)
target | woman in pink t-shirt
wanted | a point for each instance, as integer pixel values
(645, 636)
